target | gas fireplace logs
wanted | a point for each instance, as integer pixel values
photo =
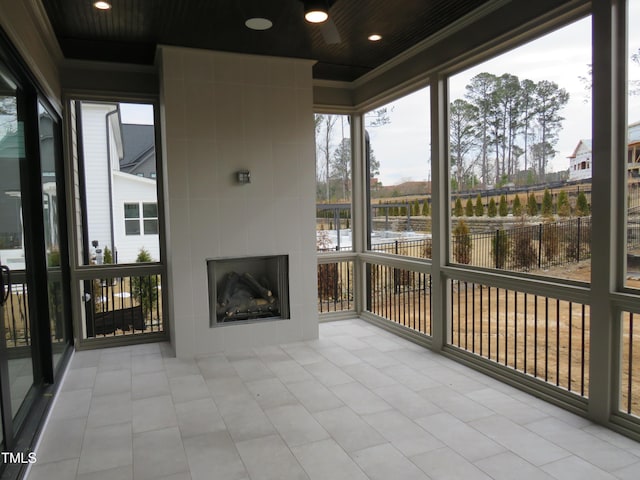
(241, 297)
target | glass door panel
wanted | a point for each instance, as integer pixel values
(16, 329)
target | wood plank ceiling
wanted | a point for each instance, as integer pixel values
(130, 31)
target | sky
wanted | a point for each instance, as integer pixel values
(136, 113)
(402, 147)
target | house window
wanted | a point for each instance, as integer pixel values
(149, 218)
(132, 219)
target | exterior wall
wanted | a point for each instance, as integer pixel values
(220, 113)
(129, 188)
(582, 154)
(94, 138)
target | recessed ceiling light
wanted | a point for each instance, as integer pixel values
(375, 37)
(258, 23)
(316, 16)
(101, 5)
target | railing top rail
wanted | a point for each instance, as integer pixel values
(111, 271)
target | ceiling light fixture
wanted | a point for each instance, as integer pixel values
(315, 11)
(258, 23)
(375, 37)
(101, 5)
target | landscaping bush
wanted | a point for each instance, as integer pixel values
(547, 203)
(479, 210)
(524, 254)
(582, 207)
(551, 241)
(457, 210)
(492, 209)
(517, 207)
(503, 208)
(500, 246)
(563, 208)
(145, 289)
(468, 208)
(462, 243)
(532, 206)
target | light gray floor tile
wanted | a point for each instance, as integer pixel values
(406, 435)
(457, 404)
(507, 406)
(328, 374)
(85, 359)
(630, 472)
(575, 468)
(214, 456)
(118, 473)
(147, 363)
(110, 409)
(270, 392)
(79, 378)
(111, 361)
(314, 396)
(248, 422)
(269, 458)
(198, 417)
(296, 425)
(61, 440)
(348, 429)
(503, 466)
(176, 367)
(591, 448)
(216, 366)
(158, 453)
(251, 369)
(153, 413)
(188, 387)
(302, 354)
(339, 356)
(151, 384)
(114, 381)
(326, 460)
(360, 399)
(460, 437)
(106, 447)
(406, 401)
(60, 470)
(369, 376)
(409, 377)
(445, 464)
(289, 371)
(271, 353)
(530, 446)
(374, 357)
(72, 404)
(383, 462)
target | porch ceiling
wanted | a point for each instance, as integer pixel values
(130, 31)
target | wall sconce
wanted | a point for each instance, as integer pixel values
(243, 177)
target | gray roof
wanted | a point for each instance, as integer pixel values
(138, 142)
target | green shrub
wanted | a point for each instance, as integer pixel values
(479, 210)
(145, 289)
(532, 205)
(547, 203)
(517, 207)
(500, 246)
(563, 208)
(503, 208)
(492, 209)
(462, 243)
(468, 208)
(457, 210)
(425, 208)
(523, 253)
(582, 207)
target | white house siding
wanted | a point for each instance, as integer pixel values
(96, 165)
(129, 188)
(221, 113)
(582, 156)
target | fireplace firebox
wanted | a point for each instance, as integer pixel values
(248, 289)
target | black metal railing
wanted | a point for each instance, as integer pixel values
(419, 248)
(127, 305)
(335, 286)
(540, 336)
(630, 365)
(401, 296)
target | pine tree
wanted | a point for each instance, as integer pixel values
(492, 209)
(582, 207)
(479, 210)
(457, 210)
(563, 208)
(547, 203)
(425, 208)
(503, 208)
(532, 206)
(516, 207)
(468, 208)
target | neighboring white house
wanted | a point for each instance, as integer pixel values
(122, 211)
(581, 160)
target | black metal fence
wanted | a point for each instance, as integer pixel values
(402, 296)
(123, 306)
(540, 336)
(526, 248)
(630, 365)
(335, 286)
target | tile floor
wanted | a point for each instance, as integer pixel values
(359, 403)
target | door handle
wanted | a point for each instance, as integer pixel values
(5, 289)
